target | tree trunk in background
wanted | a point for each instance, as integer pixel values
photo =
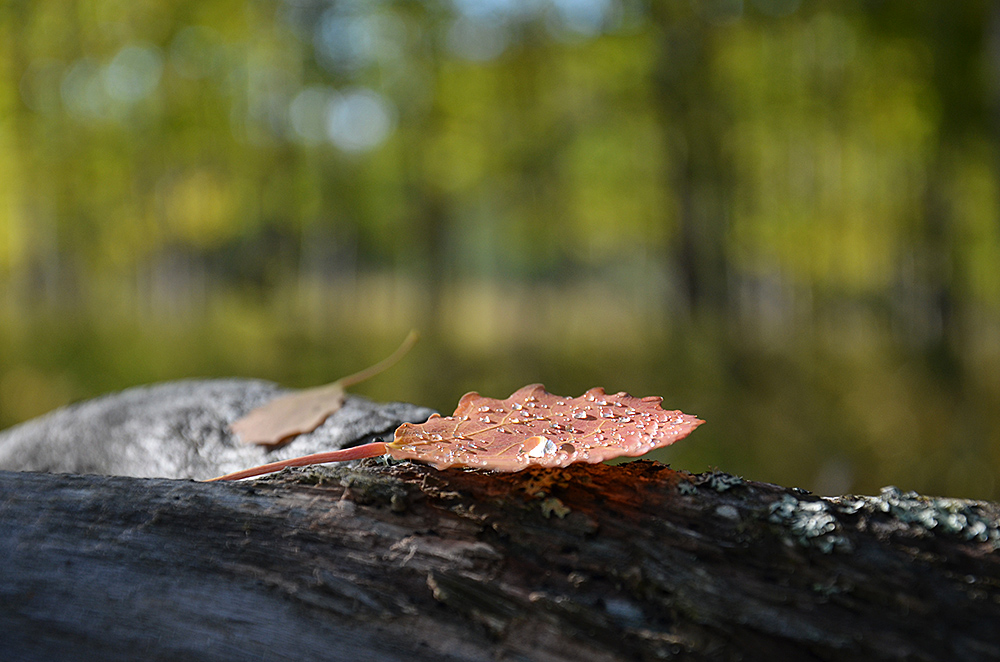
(403, 562)
(956, 43)
(694, 119)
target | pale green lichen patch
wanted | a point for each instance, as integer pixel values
(553, 506)
(810, 523)
(719, 481)
(684, 487)
(966, 520)
(726, 511)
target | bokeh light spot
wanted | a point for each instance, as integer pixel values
(359, 120)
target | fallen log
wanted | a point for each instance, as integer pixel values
(403, 562)
(378, 561)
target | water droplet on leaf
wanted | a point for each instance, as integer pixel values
(541, 447)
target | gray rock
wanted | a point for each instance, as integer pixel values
(181, 430)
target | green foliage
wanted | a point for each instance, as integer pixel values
(782, 216)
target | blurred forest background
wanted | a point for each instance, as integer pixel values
(781, 215)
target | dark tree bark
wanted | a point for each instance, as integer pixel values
(407, 563)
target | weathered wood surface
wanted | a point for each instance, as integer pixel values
(181, 430)
(407, 563)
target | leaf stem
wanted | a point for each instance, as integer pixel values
(384, 364)
(373, 449)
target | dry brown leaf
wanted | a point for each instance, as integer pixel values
(281, 419)
(277, 422)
